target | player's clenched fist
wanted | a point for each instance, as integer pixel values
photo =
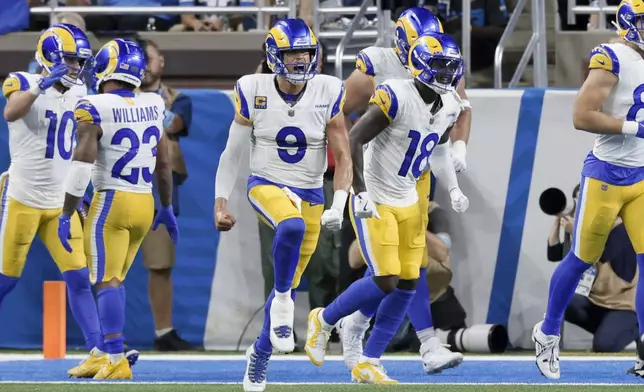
(224, 220)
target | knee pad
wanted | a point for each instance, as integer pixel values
(77, 279)
(291, 229)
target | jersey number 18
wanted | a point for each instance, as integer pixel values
(426, 148)
(131, 136)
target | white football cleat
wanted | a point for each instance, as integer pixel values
(547, 352)
(352, 335)
(317, 337)
(281, 333)
(256, 368)
(436, 357)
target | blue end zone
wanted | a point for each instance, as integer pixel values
(516, 204)
(196, 251)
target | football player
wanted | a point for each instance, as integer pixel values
(287, 117)
(120, 146)
(376, 64)
(608, 104)
(407, 122)
(373, 66)
(40, 115)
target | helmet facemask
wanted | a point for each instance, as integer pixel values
(297, 66)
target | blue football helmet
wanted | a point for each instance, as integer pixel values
(411, 24)
(292, 35)
(435, 60)
(630, 21)
(120, 59)
(64, 41)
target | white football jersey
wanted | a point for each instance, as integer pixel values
(397, 156)
(289, 143)
(381, 64)
(132, 126)
(41, 143)
(624, 102)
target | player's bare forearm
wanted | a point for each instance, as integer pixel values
(370, 125)
(339, 145)
(587, 115)
(87, 148)
(163, 173)
(70, 204)
(86, 151)
(360, 88)
(463, 124)
(18, 105)
(220, 204)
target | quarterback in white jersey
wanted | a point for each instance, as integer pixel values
(407, 122)
(610, 105)
(120, 146)
(288, 118)
(40, 115)
(376, 64)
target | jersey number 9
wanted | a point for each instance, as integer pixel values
(56, 135)
(426, 148)
(131, 136)
(286, 147)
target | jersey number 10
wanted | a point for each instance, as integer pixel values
(131, 136)
(426, 148)
(56, 135)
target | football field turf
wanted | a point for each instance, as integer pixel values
(293, 373)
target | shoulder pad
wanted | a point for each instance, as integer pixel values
(85, 111)
(16, 81)
(385, 98)
(603, 57)
(364, 63)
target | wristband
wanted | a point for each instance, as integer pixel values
(339, 199)
(35, 90)
(630, 127)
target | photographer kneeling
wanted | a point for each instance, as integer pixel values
(604, 300)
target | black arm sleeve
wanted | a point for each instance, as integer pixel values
(555, 252)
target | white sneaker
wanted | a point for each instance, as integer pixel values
(281, 333)
(352, 335)
(256, 368)
(547, 350)
(436, 357)
(317, 338)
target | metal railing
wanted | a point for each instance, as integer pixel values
(602, 10)
(52, 9)
(537, 47)
(466, 45)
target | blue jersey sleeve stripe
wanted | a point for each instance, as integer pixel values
(613, 57)
(364, 64)
(243, 104)
(24, 83)
(337, 106)
(393, 108)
